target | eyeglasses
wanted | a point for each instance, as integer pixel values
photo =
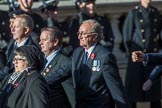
(85, 34)
(19, 60)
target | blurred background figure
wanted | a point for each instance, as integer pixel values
(87, 10)
(2, 59)
(142, 33)
(50, 14)
(4, 31)
(26, 7)
(121, 20)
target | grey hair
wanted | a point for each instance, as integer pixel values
(96, 28)
(27, 21)
(56, 33)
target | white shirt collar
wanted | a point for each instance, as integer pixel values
(90, 50)
(51, 56)
(22, 43)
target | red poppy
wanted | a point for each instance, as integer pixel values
(92, 56)
(16, 85)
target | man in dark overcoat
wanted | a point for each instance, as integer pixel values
(95, 73)
(57, 69)
(141, 32)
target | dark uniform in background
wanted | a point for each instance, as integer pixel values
(108, 37)
(3, 59)
(142, 32)
(50, 15)
(38, 23)
(121, 20)
(4, 31)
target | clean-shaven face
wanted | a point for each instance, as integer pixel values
(46, 44)
(85, 36)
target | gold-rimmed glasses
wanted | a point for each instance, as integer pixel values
(85, 35)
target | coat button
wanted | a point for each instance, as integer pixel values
(37, 26)
(141, 20)
(136, 7)
(44, 74)
(155, 39)
(142, 30)
(155, 20)
(143, 40)
(3, 23)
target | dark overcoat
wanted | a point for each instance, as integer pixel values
(30, 90)
(2, 59)
(141, 32)
(58, 76)
(97, 83)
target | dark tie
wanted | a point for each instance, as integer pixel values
(44, 63)
(85, 57)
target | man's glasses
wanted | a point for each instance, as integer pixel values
(85, 34)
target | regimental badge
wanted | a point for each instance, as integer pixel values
(96, 64)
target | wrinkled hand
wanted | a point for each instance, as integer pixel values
(147, 85)
(138, 56)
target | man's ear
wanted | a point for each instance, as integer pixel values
(27, 30)
(95, 36)
(56, 42)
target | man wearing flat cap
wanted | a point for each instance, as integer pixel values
(86, 10)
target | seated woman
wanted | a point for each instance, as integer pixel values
(25, 88)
